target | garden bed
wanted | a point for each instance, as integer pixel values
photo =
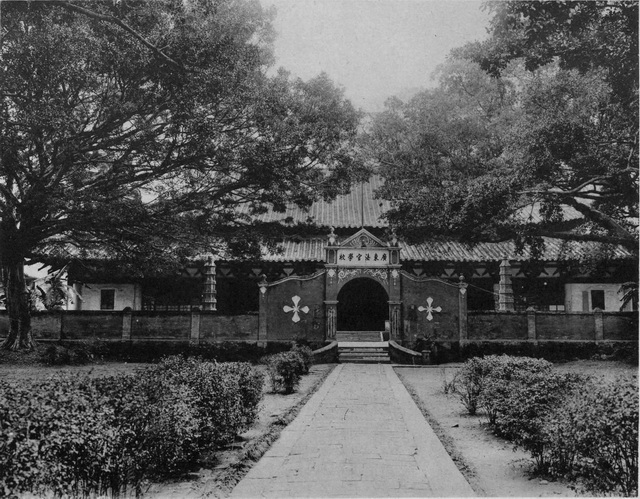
(489, 463)
(220, 470)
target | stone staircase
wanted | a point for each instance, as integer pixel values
(358, 336)
(362, 347)
(365, 354)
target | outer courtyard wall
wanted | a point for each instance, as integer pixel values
(568, 326)
(139, 326)
(228, 328)
(444, 324)
(496, 325)
(552, 326)
(620, 326)
(160, 325)
(284, 301)
(523, 328)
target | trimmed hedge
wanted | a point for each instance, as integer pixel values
(77, 436)
(285, 370)
(572, 425)
(593, 437)
(554, 351)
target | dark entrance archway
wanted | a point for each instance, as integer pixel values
(363, 305)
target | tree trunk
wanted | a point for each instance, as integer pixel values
(17, 297)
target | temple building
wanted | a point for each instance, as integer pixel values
(352, 274)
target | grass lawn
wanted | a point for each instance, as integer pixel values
(488, 462)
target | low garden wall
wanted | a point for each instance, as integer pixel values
(519, 330)
(127, 325)
(557, 326)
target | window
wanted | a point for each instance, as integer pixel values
(597, 299)
(107, 299)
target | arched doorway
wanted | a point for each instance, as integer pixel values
(363, 305)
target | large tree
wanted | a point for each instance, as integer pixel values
(135, 129)
(535, 124)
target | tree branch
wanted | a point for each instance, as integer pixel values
(628, 243)
(125, 27)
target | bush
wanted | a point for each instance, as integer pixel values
(306, 354)
(479, 373)
(71, 436)
(56, 436)
(594, 437)
(156, 423)
(226, 396)
(154, 351)
(496, 384)
(284, 370)
(523, 404)
(59, 354)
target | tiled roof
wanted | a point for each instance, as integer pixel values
(554, 250)
(312, 249)
(353, 210)
(359, 208)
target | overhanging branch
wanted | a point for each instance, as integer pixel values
(125, 27)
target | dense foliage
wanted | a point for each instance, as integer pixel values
(77, 436)
(573, 426)
(593, 437)
(285, 370)
(533, 133)
(135, 130)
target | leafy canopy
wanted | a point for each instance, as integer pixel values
(526, 135)
(136, 128)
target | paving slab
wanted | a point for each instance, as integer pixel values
(360, 435)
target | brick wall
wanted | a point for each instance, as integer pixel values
(209, 327)
(532, 325)
(139, 325)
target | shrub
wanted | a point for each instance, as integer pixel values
(155, 421)
(226, 396)
(479, 373)
(66, 354)
(496, 384)
(594, 437)
(522, 404)
(71, 436)
(154, 351)
(56, 436)
(306, 354)
(284, 370)
(469, 381)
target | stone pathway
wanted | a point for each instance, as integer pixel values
(360, 435)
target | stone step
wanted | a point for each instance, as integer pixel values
(365, 360)
(358, 336)
(377, 350)
(364, 354)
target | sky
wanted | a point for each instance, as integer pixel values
(373, 48)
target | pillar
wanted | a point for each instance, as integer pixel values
(531, 324)
(331, 314)
(395, 320)
(599, 323)
(209, 302)
(462, 309)
(505, 289)
(127, 320)
(194, 334)
(262, 314)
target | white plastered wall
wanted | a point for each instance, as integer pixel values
(126, 295)
(576, 299)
